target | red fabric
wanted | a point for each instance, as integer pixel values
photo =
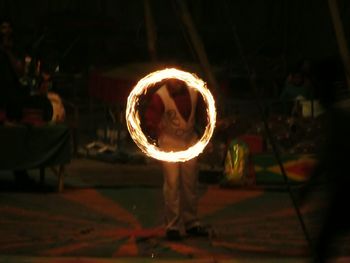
(116, 88)
(33, 117)
(108, 89)
(2, 115)
(255, 143)
(155, 110)
(153, 116)
(183, 103)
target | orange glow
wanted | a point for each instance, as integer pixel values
(133, 120)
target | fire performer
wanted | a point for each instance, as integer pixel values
(173, 119)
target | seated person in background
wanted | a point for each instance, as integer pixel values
(296, 88)
(12, 95)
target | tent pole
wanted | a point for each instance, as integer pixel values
(197, 45)
(339, 32)
(151, 30)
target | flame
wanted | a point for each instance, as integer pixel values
(133, 120)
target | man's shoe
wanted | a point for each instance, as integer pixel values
(197, 231)
(173, 235)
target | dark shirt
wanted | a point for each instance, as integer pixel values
(9, 84)
(12, 94)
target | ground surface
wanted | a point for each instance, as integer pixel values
(113, 213)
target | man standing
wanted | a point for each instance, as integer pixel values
(172, 118)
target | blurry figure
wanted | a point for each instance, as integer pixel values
(296, 96)
(171, 121)
(298, 87)
(19, 96)
(12, 94)
(236, 164)
(7, 46)
(332, 168)
(293, 92)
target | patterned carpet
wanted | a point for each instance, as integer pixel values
(100, 216)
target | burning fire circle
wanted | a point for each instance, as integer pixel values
(133, 120)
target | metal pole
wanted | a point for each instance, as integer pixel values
(269, 135)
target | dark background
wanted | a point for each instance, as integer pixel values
(274, 35)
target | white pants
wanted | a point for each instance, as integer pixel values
(180, 188)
